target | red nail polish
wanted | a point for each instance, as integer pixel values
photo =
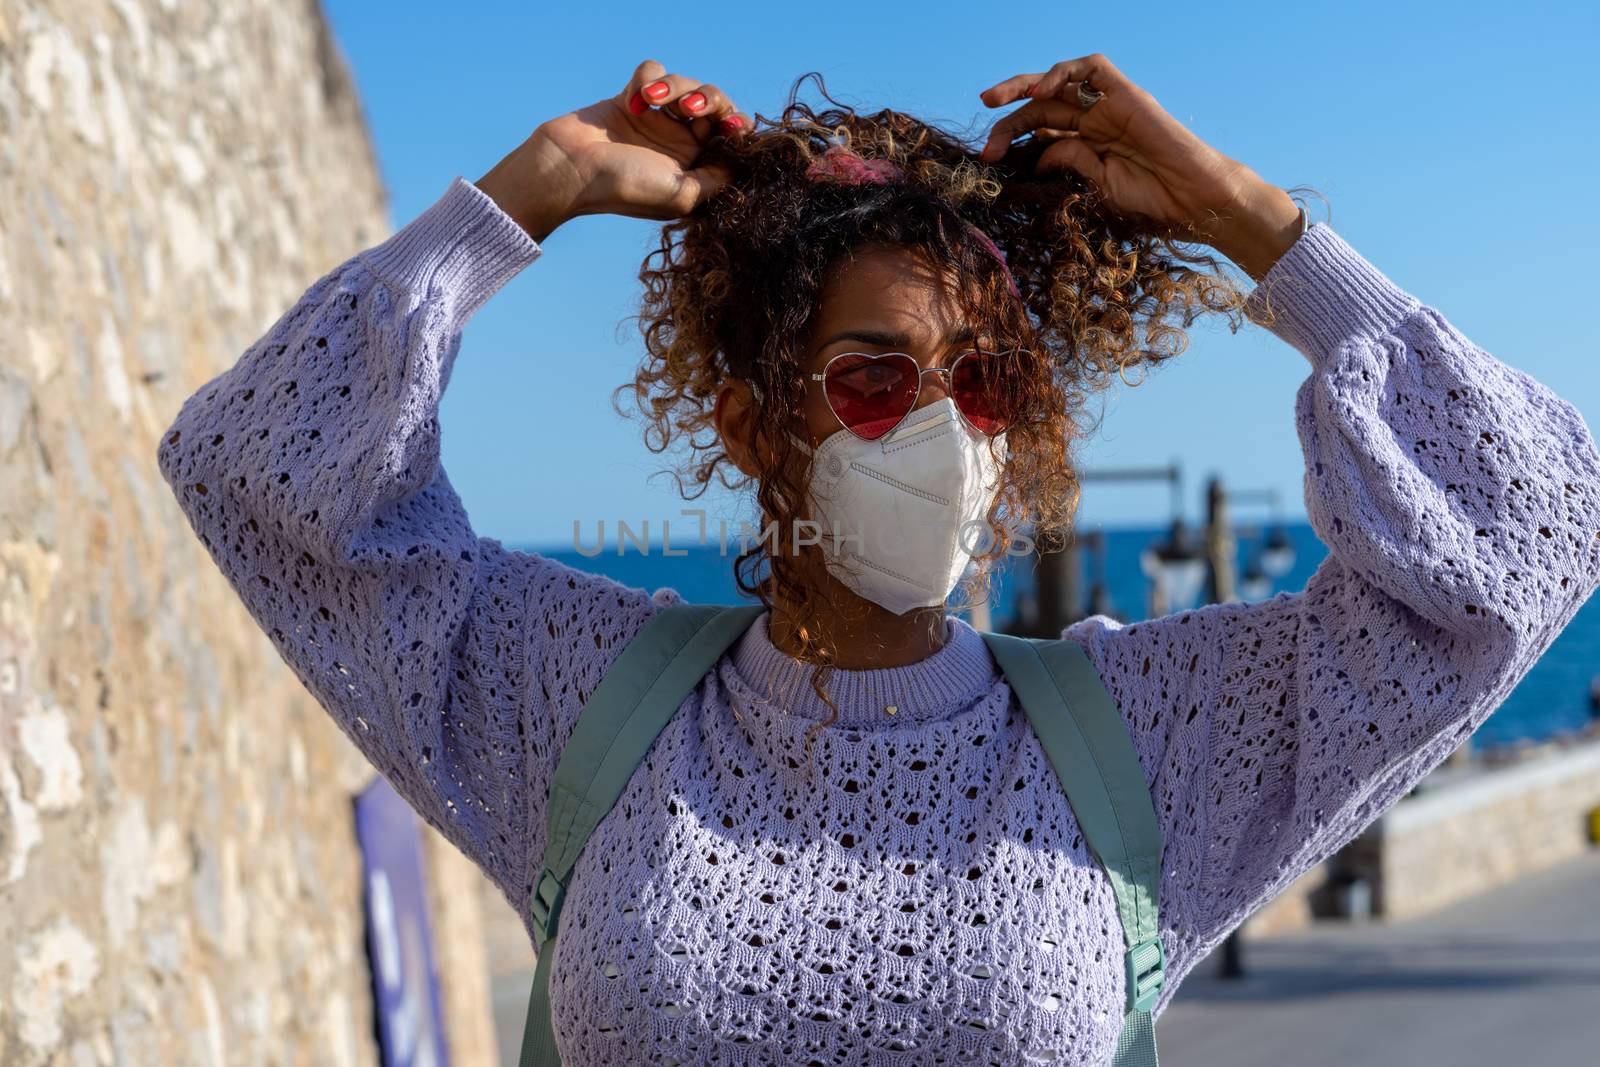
(656, 90)
(694, 101)
(636, 103)
(733, 122)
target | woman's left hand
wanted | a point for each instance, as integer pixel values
(1145, 162)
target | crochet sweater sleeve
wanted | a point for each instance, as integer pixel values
(1460, 502)
(310, 471)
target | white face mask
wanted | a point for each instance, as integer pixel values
(901, 516)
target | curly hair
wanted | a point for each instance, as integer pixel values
(734, 286)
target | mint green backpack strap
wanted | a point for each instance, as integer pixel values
(633, 702)
(1092, 752)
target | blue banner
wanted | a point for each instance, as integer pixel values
(399, 936)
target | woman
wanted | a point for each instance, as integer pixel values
(847, 847)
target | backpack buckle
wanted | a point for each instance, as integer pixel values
(1147, 973)
(546, 904)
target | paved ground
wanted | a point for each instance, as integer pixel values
(1510, 978)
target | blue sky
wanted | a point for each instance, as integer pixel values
(1457, 145)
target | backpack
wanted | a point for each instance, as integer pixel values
(1074, 717)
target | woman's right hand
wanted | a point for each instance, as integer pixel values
(631, 154)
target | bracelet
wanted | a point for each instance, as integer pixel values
(1305, 216)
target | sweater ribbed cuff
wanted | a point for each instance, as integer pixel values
(464, 245)
(1322, 293)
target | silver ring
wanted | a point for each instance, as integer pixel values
(1088, 97)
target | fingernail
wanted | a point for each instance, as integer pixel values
(636, 103)
(695, 101)
(733, 122)
(656, 90)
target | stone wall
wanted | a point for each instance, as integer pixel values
(1471, 826)
(179, 879)
(1485, 829)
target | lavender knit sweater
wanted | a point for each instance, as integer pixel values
(926, 898)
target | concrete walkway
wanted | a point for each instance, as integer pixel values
(1509, 977)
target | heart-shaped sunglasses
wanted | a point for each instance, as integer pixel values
(872, 394)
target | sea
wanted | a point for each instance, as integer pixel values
(1554, 698)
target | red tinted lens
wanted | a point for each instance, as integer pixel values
(978, 385)
(871, 394)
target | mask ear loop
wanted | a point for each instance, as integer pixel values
(803, 445)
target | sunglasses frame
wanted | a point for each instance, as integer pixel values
(949, 380)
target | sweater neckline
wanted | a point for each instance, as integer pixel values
(934, 688)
